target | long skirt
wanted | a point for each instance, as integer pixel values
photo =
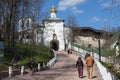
(80, 71)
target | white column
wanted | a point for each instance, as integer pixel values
(10, 71)
(44, 65)
(22, 70)
(38, 66)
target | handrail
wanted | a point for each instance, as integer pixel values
(52, 61)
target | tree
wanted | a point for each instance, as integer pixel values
(12, 10)
(31, 9)
(71, 22)
(9, 13)
(114, 9)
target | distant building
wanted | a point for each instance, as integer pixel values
(25, 24)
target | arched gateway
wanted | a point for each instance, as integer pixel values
(54, 44)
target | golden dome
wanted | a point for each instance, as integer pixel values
(53, 10)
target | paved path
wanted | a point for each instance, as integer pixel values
(63, 69)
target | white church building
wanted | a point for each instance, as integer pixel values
(52, 32)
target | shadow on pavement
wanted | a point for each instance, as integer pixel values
(94, 77)
(83, 76)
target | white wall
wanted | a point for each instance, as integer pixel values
(52, 27)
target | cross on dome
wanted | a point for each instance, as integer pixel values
(53, 12)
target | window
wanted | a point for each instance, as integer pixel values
(28, 25)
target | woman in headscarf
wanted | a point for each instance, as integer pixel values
(80, 65)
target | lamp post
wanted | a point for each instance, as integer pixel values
(99, 48)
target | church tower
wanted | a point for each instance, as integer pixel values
(53, 31)
(53, 12)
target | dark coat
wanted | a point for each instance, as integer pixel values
(86, 55)
(79, 63)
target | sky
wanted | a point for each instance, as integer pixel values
(89, 13)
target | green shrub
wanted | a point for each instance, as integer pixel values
(40, 53)
(24, 61)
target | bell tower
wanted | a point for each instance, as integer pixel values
(53, 12)
(54, 30)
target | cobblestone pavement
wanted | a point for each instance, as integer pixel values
(63, 69)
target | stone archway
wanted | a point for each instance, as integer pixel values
(54, 44)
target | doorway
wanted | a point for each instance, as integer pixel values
(54, 44)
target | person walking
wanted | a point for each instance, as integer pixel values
(80, 65)
(68, 51)
(90, 63)
(86, 55)
(31, 66)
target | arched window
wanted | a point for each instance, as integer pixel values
(28, 25)
(54, 36)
